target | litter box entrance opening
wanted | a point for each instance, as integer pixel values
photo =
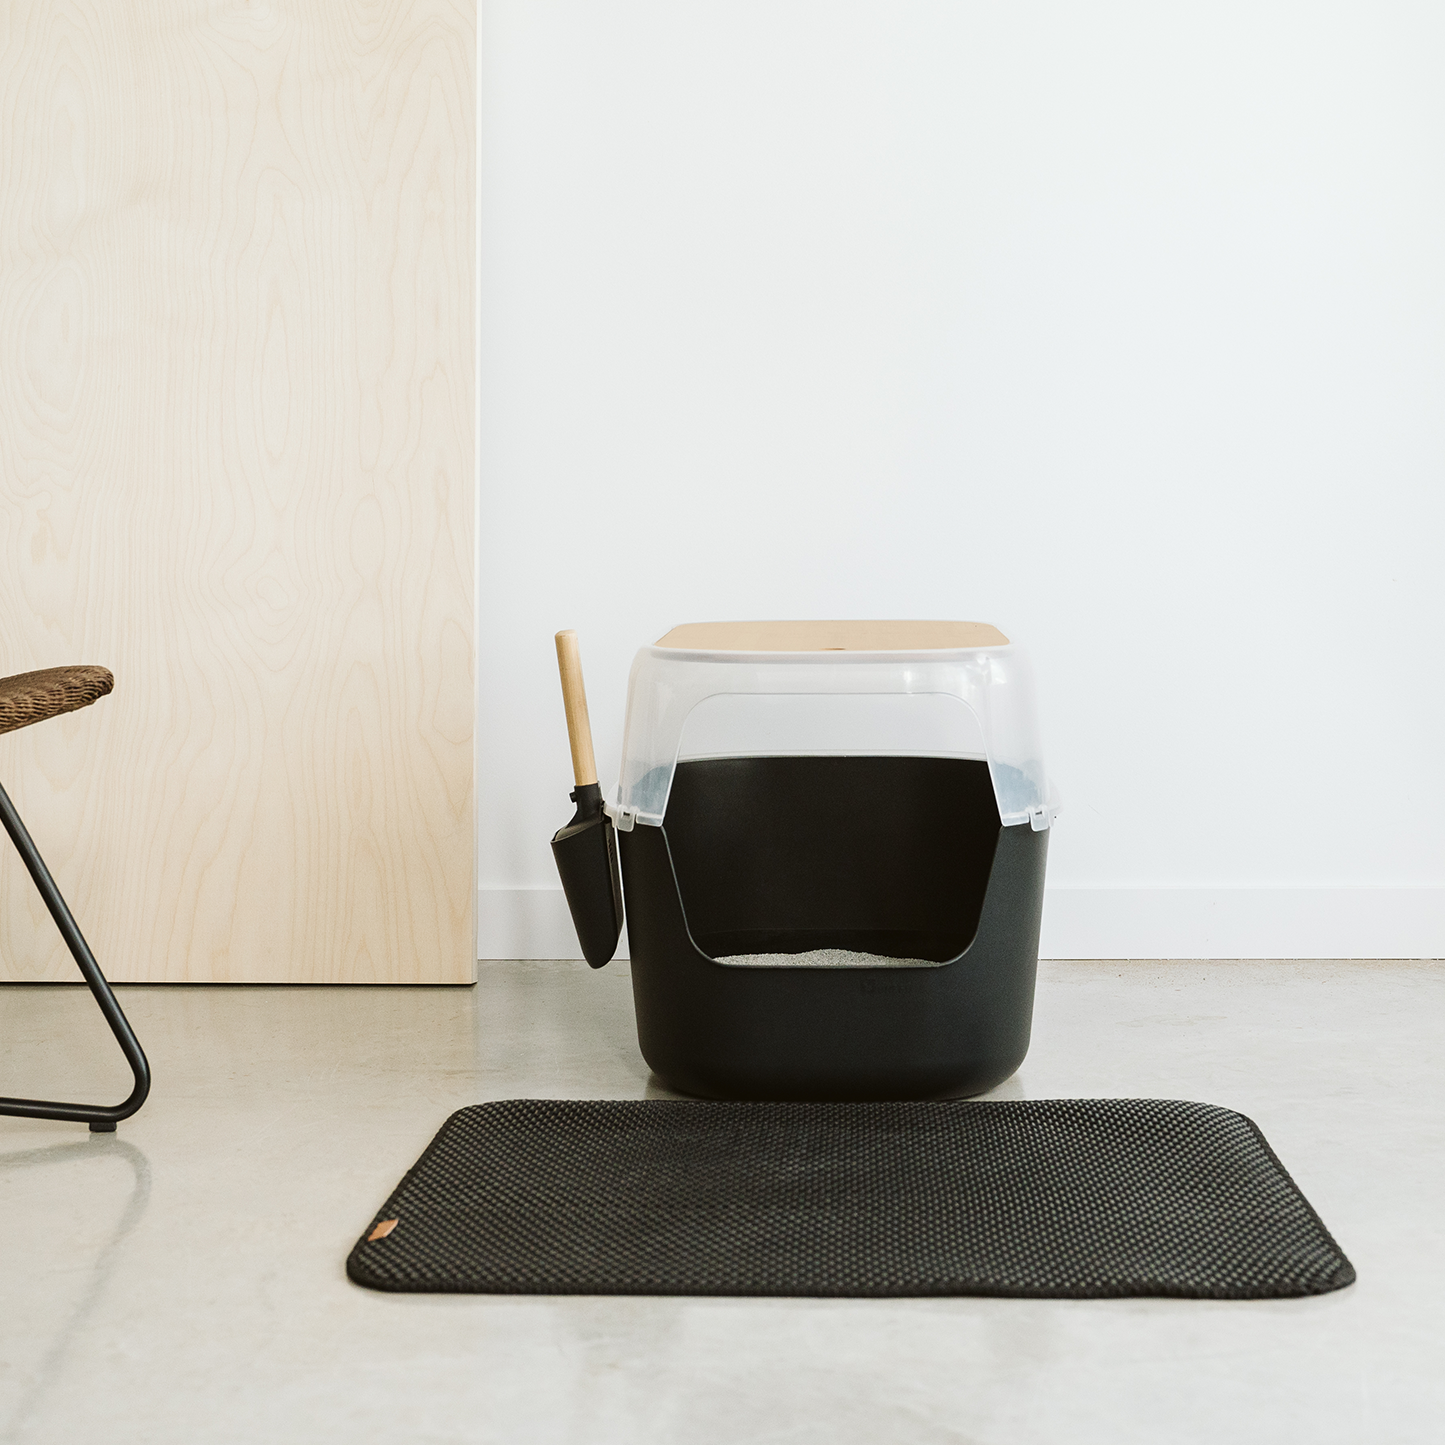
(881, 855)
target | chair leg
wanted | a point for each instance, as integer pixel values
(102, 1119)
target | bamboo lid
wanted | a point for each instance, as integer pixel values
(831, 636)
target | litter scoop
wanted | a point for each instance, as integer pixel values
(586, 849)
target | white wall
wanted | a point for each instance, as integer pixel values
(1119, 326)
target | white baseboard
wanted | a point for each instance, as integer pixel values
(1243, 923)
(525, 923)
(1104, 923)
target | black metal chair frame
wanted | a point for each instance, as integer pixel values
(102, 1119)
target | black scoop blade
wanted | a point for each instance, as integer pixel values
(586, 854)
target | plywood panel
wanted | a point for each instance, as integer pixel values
(236, 467)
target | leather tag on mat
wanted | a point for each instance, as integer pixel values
(1056, 1199)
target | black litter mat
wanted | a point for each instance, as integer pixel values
(1071, 1199)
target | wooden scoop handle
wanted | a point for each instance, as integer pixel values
(574, 698)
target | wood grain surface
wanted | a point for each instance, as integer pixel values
(574, 704)
(847, 636)
(236, 467)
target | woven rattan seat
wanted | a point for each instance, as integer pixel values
(31, 697)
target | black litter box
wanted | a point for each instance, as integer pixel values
(832, 847)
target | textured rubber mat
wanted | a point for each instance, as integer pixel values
(1070, 1199)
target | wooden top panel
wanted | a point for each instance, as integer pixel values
(831, 636)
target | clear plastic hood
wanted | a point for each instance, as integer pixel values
(932, 689)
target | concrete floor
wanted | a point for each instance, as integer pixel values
(182, 1280)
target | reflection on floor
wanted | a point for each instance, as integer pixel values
(181, 1280)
